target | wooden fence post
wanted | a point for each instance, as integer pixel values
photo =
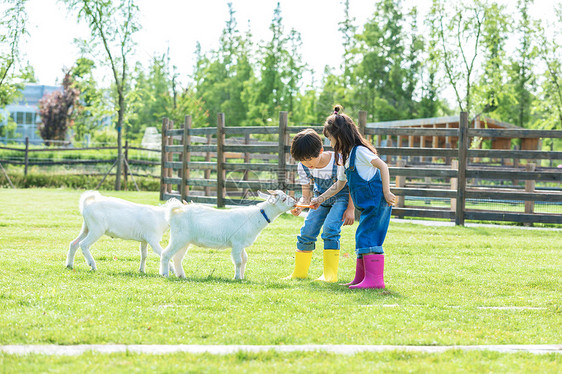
(220, 160)
(208, 159)
(461, 172)
(516, 147)
(163, 158)
(448, 145)
(246, 161)
(26, 156)
(389, 143)
(282, 160)
(454, 184)
(170, 142)
(401, 182)
(411, 143)
(186, 157)
(530, 187)
(126, 165)
(435, 144)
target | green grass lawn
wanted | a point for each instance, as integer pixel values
(445, 286)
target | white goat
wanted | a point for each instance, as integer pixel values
(122, 219)
(214, 228)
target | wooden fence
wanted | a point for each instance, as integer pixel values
(224, 163)
(27, 160)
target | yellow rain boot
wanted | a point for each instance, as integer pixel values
(302, 263)
(331, 262)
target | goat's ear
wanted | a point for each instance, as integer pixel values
(263, 196)
(271, 192)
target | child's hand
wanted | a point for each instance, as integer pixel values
(348, 217)
(296, 211)
(314, 203)
(390, 198)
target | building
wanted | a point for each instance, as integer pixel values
(451, 122)
(25, 113)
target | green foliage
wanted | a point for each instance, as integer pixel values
(92, 106)
(155, 95)
(550, 100)
(106, 136)
(389, 68)
(75, 181)
(13, 22)
(463, 21)
(517, 97)
(224, 78)
(10, 127)
(280, 68)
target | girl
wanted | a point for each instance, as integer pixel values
(368, 179)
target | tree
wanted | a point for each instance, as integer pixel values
(491, 91)
(156, 94)
(56, 111)
(91, 108)
(522, 79)
(413, 71)
(12, 28)
(550, 52)
(112, 25)
(348, 30)
(389, 69)
(458, 38)
(221, 76)
(280, 68)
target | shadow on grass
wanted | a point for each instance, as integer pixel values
(209, 279)
(340, 288)
(362, 295)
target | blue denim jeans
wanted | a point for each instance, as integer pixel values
(328, 216)
(375, 211)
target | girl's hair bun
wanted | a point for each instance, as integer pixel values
(338, 109)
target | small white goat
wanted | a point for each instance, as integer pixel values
(122, 219)
(214, 228)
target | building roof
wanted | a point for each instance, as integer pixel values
(491, 123)
(32, 93)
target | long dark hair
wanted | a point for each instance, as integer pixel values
(345, 132)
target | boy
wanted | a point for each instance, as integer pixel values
(319, 168)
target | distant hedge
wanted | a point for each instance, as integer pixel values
(78, 181)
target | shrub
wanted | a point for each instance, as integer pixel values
(76, 181)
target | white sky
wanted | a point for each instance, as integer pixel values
(179, 24)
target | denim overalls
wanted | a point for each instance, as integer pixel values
(329, 214)
(375, 211)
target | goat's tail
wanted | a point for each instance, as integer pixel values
(173, 206)
(87, 198)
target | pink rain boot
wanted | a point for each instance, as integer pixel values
(374, 269)
(359, 273)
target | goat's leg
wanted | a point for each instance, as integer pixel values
(74, 246)
(155, 245)
(86, 243)
(167, 254)
(237, 259)
(244, 262)
(178, 257)
(144, 254)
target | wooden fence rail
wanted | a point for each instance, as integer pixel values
(28, 159)
(226, 182)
